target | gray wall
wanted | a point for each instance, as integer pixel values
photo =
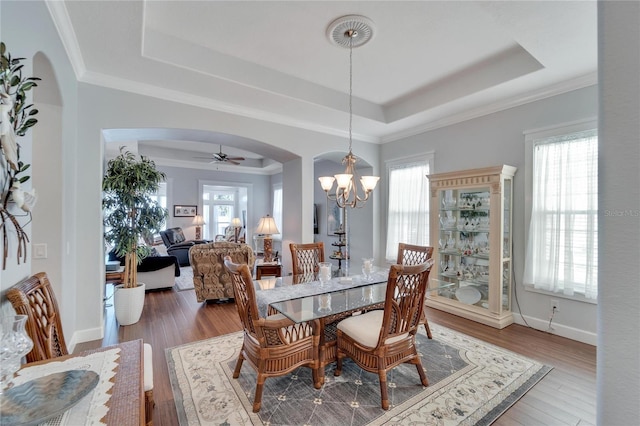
(498, 139)
(184, 189)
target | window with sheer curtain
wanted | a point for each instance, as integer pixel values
(562, 248)
(277, 209)
(408, 203)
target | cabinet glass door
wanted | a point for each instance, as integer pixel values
(464, 245)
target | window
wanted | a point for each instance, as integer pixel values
(277, 208)
(408, 210)
(219, 205)
(161, 198)
(562, 247)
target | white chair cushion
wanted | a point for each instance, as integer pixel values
(365, 328)
(148, 367)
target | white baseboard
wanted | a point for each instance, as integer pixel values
(558, 329)
(82, 336)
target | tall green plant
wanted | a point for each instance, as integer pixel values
(129, 211)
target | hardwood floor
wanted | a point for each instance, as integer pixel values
(566, 396)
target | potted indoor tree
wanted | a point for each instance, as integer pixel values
(129, 215)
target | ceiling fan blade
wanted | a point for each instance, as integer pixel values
(232, 162)
(235, 158)
(203, 158)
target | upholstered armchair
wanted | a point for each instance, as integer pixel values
(177, 245)
(211, 279)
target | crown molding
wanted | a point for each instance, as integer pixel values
(145, 89)
(586, 80)
(62, 22)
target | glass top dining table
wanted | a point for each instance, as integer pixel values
(304, 298)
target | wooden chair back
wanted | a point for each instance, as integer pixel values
(34, 297)
(244, 294)
(404, 300)
(306, 257)
(409, 254)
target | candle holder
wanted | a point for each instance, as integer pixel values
(367, 268)
(324, 274)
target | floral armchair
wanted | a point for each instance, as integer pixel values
(211, 279)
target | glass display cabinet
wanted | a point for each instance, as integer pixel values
(470, 228)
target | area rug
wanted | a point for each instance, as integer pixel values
(470, 383)
(185, 280)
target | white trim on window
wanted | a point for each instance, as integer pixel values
(536, 137)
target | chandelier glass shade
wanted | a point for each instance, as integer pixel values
(349, 31)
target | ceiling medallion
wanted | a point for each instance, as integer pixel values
(341, 31)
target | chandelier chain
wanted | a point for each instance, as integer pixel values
(350, 90)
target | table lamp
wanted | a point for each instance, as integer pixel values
(235, 222)
(198, 221)
(267, 227)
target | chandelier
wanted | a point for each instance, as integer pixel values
(349, 31)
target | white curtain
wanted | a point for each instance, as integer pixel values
(408, 212)
(277, 209)
(562, 251)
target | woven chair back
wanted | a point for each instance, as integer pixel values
(34, 297)
(306, 258)
(409, 254)
(404, 301)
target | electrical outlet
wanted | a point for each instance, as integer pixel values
(554, 303)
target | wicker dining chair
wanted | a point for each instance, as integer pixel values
(306, 257)
(275, 345)
(380, 340)
(34, 297)
(409, 254)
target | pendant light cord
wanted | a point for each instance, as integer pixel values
(350, 88)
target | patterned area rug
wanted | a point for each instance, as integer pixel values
(185, 280)
(470, 383)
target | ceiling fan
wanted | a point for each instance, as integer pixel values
(221, 157)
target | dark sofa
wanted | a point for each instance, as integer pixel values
(177, 245)
(155, 271)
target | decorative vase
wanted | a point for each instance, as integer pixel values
(14, 344)
(128, 303)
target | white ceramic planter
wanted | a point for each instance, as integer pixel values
(128, 303)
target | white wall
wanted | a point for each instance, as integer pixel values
(28, 31)
(498, 139)
(618, 372)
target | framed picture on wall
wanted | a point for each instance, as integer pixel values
(335, 218)
(184, 211)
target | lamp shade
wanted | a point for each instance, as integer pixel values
(236, 222)
(198, 220)
(267, 226)
(326, 182)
